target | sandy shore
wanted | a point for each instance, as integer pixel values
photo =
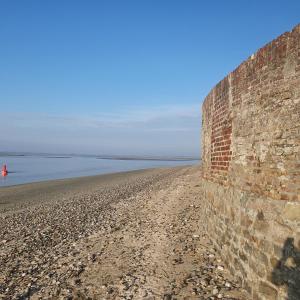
(133, 235)
(25, 195)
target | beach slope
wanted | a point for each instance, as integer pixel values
(130, 235)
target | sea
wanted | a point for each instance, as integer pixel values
(28, 167)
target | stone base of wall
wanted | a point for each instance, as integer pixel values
(258, 238)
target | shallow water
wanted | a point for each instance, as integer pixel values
(25, 169)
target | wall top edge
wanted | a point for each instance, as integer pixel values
(267, 48)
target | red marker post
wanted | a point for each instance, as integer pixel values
(4, 171)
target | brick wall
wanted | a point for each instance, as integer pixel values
(251, 167)
(218, 126)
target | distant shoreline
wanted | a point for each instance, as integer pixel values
(48, 190)
(108, 157)
(154, 159)
(83, 178)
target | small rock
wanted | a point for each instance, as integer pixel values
(167, 297)
(215, 291)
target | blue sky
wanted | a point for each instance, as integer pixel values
(122, 77)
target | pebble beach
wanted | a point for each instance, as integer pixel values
(130, 235)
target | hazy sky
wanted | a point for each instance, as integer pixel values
(122, 77)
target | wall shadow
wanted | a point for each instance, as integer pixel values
(287, 270)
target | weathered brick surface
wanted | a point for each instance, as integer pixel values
(251, 166)
(251, 127)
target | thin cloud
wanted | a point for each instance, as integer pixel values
(127, 118)
(149, 130)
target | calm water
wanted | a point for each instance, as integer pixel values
(25, 169)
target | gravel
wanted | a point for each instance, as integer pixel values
(134, 237)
